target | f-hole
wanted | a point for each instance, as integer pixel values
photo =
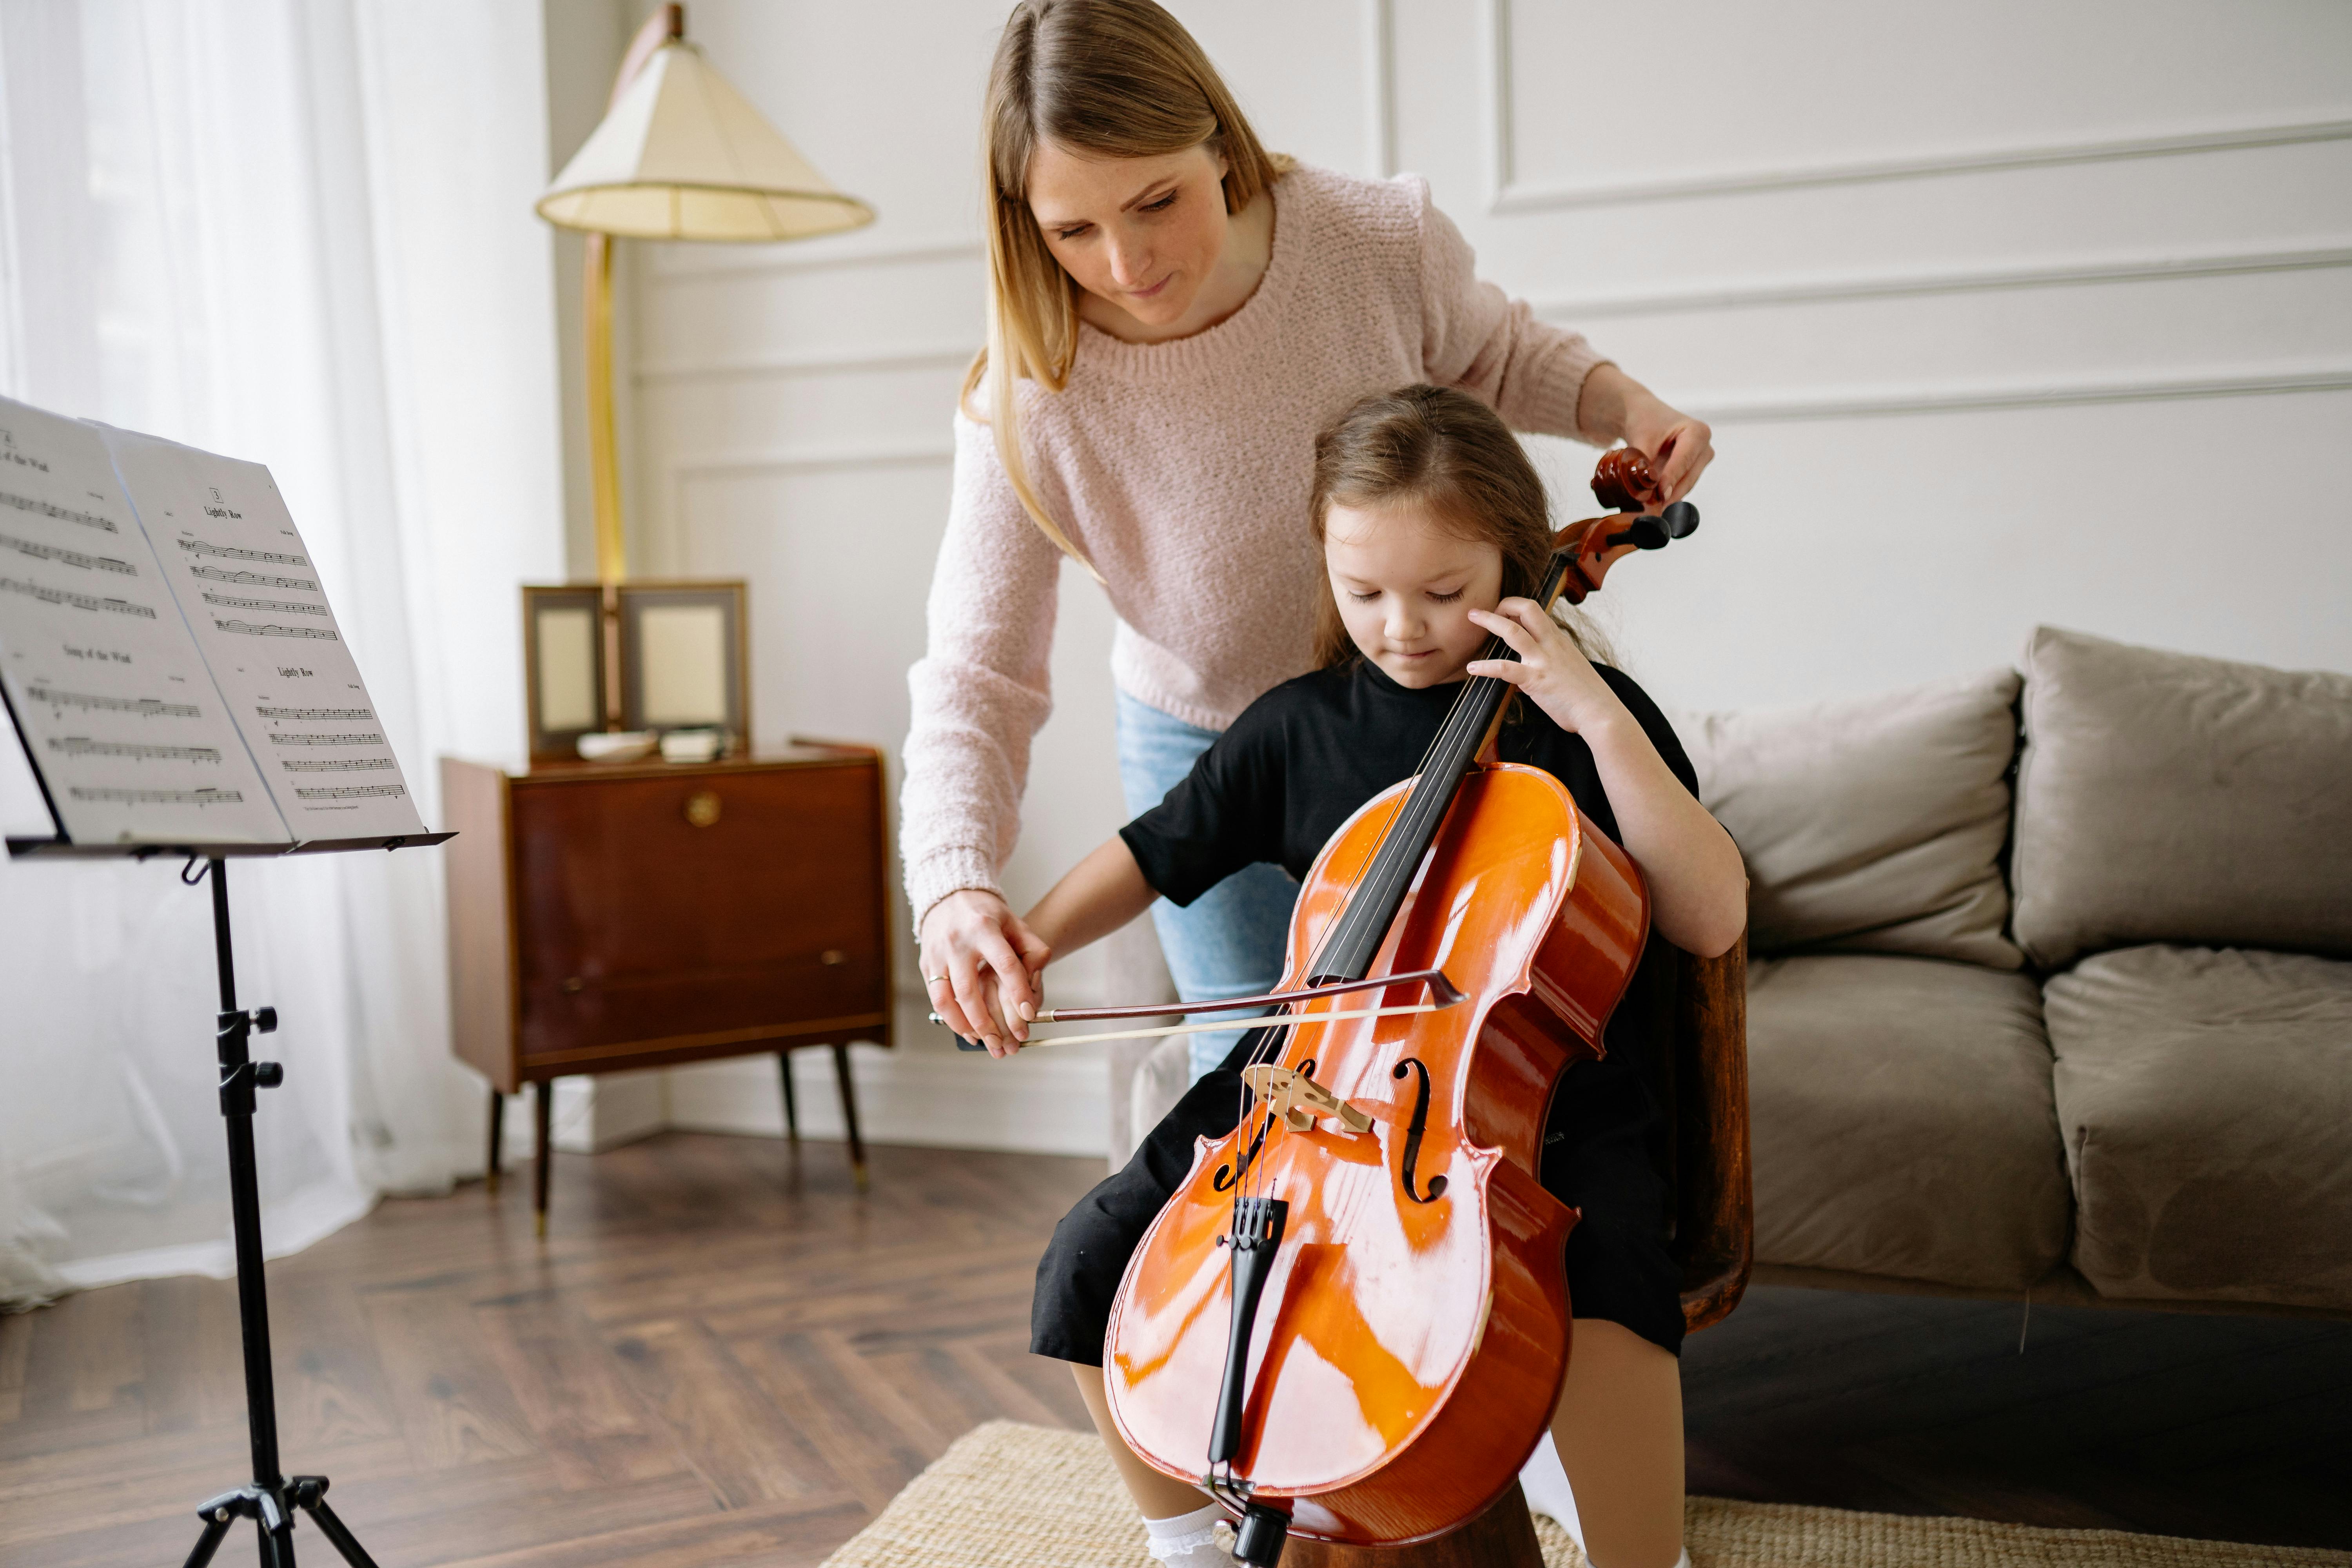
(1227, 1176)
(1414, 1131)
(1222, 1182)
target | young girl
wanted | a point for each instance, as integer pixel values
(1433, 526)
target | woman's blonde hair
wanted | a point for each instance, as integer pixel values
(1449, 454)
(1118, 78)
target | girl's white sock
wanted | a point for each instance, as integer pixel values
(1189, 1540)
(1546, 1483)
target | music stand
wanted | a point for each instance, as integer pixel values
(270, 1498)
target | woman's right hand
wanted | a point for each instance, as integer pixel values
(979, 967)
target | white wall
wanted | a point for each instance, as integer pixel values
(2005, 313)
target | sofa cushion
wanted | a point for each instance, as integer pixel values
(1901, 1121)
(2205, 1100)
(1872, 825)
(2163, 797)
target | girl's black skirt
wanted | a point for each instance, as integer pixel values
(1601, 1147)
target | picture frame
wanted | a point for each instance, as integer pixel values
(685, 657)
(564, 667)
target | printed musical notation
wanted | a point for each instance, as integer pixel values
(79, 601)
(83, 746)
(355, 792)
(62, 513)
(121, 718)
(145, 706)
(122, 796)
(332, 714)
(271, 629)
(237, 567)
(67, 557)
(163, 633)
(230, 552)
(280, 606)
(252, 579)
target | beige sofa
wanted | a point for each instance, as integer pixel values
(2048, 991)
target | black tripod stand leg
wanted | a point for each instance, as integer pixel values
(268, 1501)
(209, 1541)
(277, 1533)
(310, 1492)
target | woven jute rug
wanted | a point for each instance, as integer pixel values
(1010, 1496)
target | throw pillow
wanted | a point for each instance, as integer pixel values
(1872, 825)
(2163, 797)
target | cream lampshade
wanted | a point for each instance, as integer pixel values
(680, 156)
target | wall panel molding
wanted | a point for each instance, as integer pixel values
(917, 1094)
(814, 362)
(1506, 195)
(2153, 268)
(1865, 403)
(721, 263)
(814, 459)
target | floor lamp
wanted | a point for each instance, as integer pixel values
(680, 156)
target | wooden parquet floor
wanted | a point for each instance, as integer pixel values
(714, 1359)
(721, 1356)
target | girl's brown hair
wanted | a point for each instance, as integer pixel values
(1118, 78)
(1449, 454)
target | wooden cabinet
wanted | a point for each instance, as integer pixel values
(604, 917)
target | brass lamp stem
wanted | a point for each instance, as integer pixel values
(604, 465)
(604, 445)
(604, 442)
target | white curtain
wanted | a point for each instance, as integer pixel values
(299, 232)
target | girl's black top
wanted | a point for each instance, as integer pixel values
(1274, 787)
(1306, 756)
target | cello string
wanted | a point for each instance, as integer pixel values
(1455, 727)
(1415, 807)
(1423, 809)
(1272, 1045)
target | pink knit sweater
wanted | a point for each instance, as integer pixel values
(1182, 469)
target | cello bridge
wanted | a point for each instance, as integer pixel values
(1300, 1102)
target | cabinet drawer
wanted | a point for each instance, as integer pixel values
(711, 902)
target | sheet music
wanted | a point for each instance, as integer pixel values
(231, 553)
(125, 724)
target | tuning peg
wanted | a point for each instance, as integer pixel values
(1681, 519)
(1640, 532)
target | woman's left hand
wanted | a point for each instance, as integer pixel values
(1550, 670)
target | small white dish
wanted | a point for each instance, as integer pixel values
(690, 745)
(617, 745)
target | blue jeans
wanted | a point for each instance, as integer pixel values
(1228, 941)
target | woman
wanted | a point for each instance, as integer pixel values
(1173, 314)
(1433, 527)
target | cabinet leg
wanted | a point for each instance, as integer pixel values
(792, 1100)
(498, 1138)
(849, 1113)
(543, 1151)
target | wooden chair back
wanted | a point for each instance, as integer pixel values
(1704, 1082)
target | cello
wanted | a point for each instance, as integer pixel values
(1351, 1322)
